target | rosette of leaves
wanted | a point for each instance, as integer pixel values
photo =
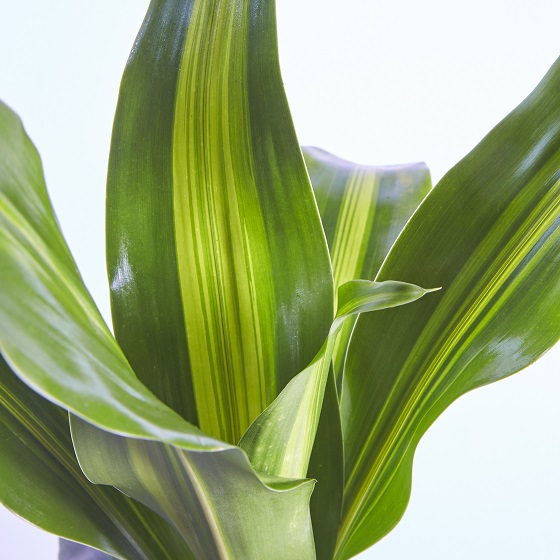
(271, 370)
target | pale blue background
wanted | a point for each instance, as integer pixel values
(375, 81)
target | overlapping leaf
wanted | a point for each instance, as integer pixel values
(41, 481)
(281, 439)
(55, 340)
(489, 234)
(216, 300)
(363, 209)
(217, 505)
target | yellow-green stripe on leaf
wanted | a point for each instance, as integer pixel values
(222, 285)
(363, 209)
(280, 441)
(42, 483)
(489, 234)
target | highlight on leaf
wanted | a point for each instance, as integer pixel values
(278, 353)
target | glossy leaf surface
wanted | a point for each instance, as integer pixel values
(363, 209)
(41, 481)
(55, 340)
(216, 300)
(489, 235)
(281, 439)
(218, 506)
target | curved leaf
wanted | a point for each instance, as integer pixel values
(41, 481)
(51, 332)
(220, 509)
(489, 233)
(208, 201)
(281, 439)
(363, 209)
(55, 340)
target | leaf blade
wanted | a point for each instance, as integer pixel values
(233, 192)
(363, 210)
(43, 483)
(498, 311)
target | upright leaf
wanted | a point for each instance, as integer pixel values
(363, 209)
(489, 233)
(55, 340)
(220, 275)
(284, 440)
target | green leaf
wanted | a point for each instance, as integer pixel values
(326, 466)
(363, 209)
(216, 301)
(51, 332)
(41, 481)
(55, 340)
(489, 234)
(220, 509)
(281, 439)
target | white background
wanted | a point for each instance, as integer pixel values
(376, 81)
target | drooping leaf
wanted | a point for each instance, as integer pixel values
(41, 481)
(280, 440)
(55, 340)
(489, 234)
(213, 500)
(216, 301)
(363, 209)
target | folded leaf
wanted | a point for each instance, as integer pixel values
(213, 500)
(41, 481)
(489, 234)
(363, 209)
(55, 340)
(220, 274)
(281, 439)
